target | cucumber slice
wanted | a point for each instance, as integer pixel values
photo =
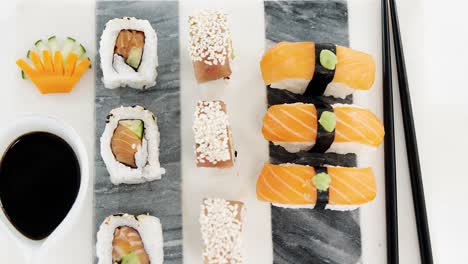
(53, 44)
(23, 75)
(40, 45)
(68, 45)
(91, 64)
(134, 57)
(80, 50)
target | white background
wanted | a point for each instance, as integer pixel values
(434, 35)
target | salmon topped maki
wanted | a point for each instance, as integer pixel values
(291, 185)
(309, 68)
(346, 128)
(213, 138)
(222, 228)
(210, 45)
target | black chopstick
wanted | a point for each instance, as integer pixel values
(422, 226)
(389, 141)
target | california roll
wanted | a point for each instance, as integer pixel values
(130, 146)
(128, 50)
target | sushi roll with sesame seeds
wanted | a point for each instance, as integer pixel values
(222, 226)
(210, 46)
(129, 53)
(213, 139)
(128, 239)
(130, 146)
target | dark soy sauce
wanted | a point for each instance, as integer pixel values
(39, 182)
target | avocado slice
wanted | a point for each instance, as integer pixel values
(134, 57)
(130, 258)
(134, 125)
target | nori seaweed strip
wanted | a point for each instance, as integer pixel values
(322, 76)
(279, 155)
(278, 96)
(324, 138)
(322, 196)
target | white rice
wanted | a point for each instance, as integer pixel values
(116, 73)
(149, 228)
(147, 157)
(299, 86)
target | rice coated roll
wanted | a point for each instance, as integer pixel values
(210, 45)
(338, 128)
(128, 50)
(213, 139)
(128, 239)
(317, 69)
(130, 146)
(222, 226)
(327, 187)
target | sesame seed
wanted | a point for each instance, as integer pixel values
(211, 128)
(210, 38)
(221, 228)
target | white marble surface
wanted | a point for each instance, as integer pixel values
(435, 67)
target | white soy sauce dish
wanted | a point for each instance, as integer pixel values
(44, 176)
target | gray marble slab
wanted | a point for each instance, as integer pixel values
(161, 198)
(305, 235)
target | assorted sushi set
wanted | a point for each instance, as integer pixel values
(300, 121)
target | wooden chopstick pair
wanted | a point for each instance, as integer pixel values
(410, 138)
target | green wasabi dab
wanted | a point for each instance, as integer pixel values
(328, 59)
(322, 181)
(328, 121)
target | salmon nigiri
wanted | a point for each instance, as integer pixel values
(290, 185)
(309, 68)
(294, 126)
